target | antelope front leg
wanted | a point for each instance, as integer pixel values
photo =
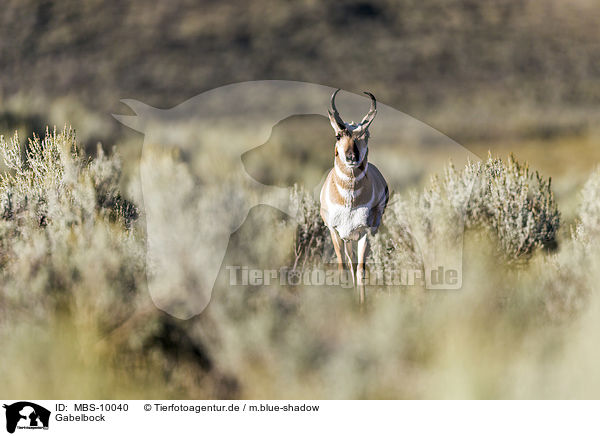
(348, 252)
(363, 245)
(337, 246)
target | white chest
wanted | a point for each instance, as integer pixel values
(349, 222)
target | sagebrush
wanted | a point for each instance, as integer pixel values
(73, 294)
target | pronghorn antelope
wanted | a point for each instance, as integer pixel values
(355, 194)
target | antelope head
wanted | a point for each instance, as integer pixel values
(351, 139)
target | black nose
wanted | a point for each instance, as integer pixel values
(352, 155)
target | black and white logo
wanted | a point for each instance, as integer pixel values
(26, 415)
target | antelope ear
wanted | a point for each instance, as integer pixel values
(337, 127)
(143, 113)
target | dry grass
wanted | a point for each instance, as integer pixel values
(73, 296)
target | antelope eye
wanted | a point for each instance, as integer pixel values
(338, 136)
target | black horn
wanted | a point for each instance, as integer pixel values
(368, 119)
(333, 112)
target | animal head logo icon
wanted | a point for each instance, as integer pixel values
(24, 414)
